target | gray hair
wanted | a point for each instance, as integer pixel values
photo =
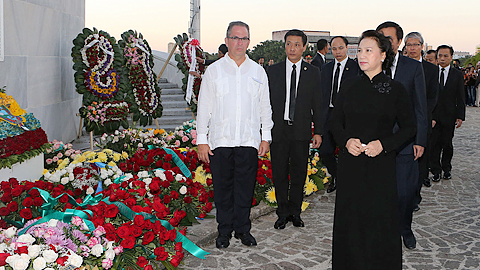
(237, 23)
(416, 35)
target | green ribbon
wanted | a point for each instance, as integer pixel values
(178, 161)
(186, 243)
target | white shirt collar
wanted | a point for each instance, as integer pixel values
(298, 63)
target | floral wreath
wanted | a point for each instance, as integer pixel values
(108, 114)
(184, 63)
(145, 104)
(98, 77)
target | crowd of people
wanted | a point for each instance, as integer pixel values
(392, 117)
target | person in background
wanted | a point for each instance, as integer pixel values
(448, 114)
(232, 139)
(431, 56)
(322, 50)
(222, 50)
(477, 85)
(308, 58)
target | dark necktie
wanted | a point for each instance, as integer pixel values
(442, 79)
(335, 84)
(293, 84)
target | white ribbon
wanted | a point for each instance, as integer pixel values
(93, 42)
(191, 78)
(141, 48)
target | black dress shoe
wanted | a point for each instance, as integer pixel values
(436, 178)
(280, 223)
(297, 221)
(247, 239)
(223, 240)
(332, 186)
(426, 182)
(447, 175)
(410, 242)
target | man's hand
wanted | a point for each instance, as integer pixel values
(354, 146)
(263, 148)
(203, 150)
(194, 73)
(317, 141)
(434, 123)
(418, 151)
(200, 60)
(373, 148)
(458, 123)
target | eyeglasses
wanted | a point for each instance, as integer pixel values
(236, 39)
(413, 45)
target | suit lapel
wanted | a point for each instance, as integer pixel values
(301, 81)
(449, 78)
(399, 67)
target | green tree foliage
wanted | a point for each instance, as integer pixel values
(470, 60)
(274, 49)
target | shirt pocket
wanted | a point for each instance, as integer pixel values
(254, 86)
(221, 87)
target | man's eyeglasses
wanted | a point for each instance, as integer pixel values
(413, 45)
(236, 39)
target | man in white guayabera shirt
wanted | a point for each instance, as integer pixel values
(233, 126)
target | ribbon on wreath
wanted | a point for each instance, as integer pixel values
(178, 161)
(193, 65)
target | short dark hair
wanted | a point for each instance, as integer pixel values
(223, 48)
(321, 43)
(261, 57)
(398, 29)
(432, 51)
(237, 23)
(298, 33)
(383, 43)
(342, 37)
(446, 47)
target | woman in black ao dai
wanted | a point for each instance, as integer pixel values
(365, 231)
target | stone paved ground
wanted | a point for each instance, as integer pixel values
(447, 226)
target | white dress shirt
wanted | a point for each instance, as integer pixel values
(288, 77)
(394, 65)
(234, 105)
(447, 69)
(343, 63)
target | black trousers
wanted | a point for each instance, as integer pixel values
(442, 147)
(423, 165)
(327, 149)
(234, 171)
(289, 169)
(407, 177)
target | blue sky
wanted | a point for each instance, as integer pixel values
(441, 22)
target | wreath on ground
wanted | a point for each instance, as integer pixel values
(145, 101)
(184, 63)
(99, 78)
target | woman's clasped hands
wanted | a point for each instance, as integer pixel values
(356, 147)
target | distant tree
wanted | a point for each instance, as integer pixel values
(274, 49)
(470, 60)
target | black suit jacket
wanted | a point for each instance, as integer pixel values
(308, 102)
(451, 100)
(431, 81)
(318, 61)
(326, 76)
(410, 73)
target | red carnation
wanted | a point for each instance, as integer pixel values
(62, 260)
(26, 213)
(3, 257)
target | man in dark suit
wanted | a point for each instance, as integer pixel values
(322, 50)
(448, 114)
(410, 73)
(332, 76)
(295, 98)
(414, 43)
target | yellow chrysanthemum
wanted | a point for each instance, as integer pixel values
(112, 164)
(314, 162)
(45, 171)
(270, 195)
(116, 157)
(316, 158)
(200, 175)
(108, 151)
(264, 167)
(325, 180)
(89, 155)
(314, 170)
(309, 187)
(63, 163)
(102, 157)
(324, 170)
(305, 205)
(124, 154)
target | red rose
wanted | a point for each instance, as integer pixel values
(139, 220)
(38, 201)
(209, 182)
(111, 236)
(261, 180)
(128, 242)
(187, 199)
(123, 231)
(6, 198)
(174, 194)
(148, 267)
(3, 257)
(137, 208)
(34, 193)
(13, 206)
(27, 202)
(165, 184)
(26, 213)
(167, 199)
(160, 253)
(148, 237)
(136, 231)
(172, 234)
(63, 199)
(17, 191)
(142, 261)
(202, 215)
(111, 211)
